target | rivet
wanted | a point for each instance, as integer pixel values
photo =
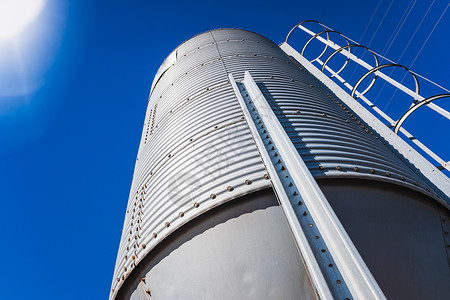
(338, 281)
(299, 203)
(212, 196)
(262, 126)
(330, 265)
(346, 121)
(290, 184)
(276, 154)
(133, 257)
(270, 142)
(125, 269)
(196, 205)
(297, 111)
(372, 171)
(264, 131)
(181, 214)
(248, 182)
(267, 136)
(402, 179)
(356, 169)
(427, 189)
(416, 183)
(167, 224)
(266, 176)
(305, 213)
(321, 167)
(144, 246)
(230, 188)
(279, 161)
(118, 279)
(295, 193)
(323, 115)
(316, 237)
(273, 148)
(283, 168)
(388, 174)
(323, 250)
(339, 168)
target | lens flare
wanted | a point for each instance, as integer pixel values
(16, 15)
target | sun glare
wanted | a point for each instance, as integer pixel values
(15, 15)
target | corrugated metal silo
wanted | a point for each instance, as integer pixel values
(221, 206)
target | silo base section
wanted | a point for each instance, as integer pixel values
(400, 234)
(240, 250)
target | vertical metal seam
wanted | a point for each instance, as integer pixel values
(218, 52)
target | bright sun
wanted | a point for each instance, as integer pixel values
(15, 15)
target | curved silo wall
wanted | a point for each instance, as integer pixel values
(197, 154)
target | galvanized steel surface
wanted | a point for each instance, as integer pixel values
(196, 150)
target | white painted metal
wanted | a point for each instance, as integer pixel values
(360, 281)
(441, 181)
(297, 232)
(361, 62)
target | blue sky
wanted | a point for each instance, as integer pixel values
(73, 95)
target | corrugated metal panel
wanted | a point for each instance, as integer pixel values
(196, 153)
(195, 143)
(333, 142)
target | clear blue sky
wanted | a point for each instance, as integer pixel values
(73, 95)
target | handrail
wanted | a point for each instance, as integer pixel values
(418, 100)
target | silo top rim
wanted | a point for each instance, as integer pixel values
(211, 30)
(170, 58)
